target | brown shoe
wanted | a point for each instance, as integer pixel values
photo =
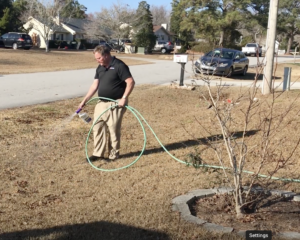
(114, 155)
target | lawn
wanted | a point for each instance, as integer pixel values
(22, 61)
(49, 191)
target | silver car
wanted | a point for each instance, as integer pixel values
(222, 61)
(163, 47)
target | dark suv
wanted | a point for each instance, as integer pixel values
(16, 40)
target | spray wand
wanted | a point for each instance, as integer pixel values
(84, 116)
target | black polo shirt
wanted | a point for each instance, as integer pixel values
(112, 79)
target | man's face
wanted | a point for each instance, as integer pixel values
(103, 60)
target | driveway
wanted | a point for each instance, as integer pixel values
(34, 88)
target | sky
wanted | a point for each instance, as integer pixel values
(95, 6)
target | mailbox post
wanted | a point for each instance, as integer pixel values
(182, 59)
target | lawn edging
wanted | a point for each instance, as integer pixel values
(182, 204)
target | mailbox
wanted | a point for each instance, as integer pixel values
(180, 58)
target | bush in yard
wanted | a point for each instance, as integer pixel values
(266, 152)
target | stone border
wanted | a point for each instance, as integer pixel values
(182, 204)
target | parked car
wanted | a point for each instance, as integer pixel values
(222, 61)
(105, 44)
(164, 46)
(16, 40)
(118, 44)
(252, 49)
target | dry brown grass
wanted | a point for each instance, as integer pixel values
(49, 191)
(22, 61)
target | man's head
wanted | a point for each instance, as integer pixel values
(102, 55)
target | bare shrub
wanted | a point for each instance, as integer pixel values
(250, 136)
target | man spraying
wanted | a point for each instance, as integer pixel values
(113, 80)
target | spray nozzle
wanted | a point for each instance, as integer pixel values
(78, 110)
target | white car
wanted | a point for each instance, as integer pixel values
(252, 49)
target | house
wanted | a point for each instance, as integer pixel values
(162, 33)
(60, 29)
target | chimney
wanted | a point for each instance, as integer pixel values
(165, 26)
(57, 19)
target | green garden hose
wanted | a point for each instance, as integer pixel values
(140, 118)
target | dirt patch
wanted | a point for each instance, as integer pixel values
(274, 213)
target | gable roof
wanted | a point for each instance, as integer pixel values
(77, 25)
(71, 25)
(157, 27)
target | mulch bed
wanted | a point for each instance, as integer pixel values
(273, 213)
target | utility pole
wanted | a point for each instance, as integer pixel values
(270, 47)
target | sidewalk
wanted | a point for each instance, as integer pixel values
(236, 83)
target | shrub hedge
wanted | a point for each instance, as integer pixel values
(67, 44)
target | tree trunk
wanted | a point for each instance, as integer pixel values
(289, 45)
(47, 45)
(238, 196)
(221, 38)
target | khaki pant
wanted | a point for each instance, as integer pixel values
(107, 130)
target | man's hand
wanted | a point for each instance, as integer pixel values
(122, 102)
(81, 105)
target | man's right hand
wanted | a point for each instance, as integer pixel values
(81, 105)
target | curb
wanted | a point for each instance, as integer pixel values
(182, 204)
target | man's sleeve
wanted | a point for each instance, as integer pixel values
(124, 72)
(96, 74)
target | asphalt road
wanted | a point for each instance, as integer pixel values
(18, 90)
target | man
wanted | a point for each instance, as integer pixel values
(112, 80)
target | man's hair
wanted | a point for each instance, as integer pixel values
(102, 50)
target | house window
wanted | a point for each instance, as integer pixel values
(162, 37)
(58, 36)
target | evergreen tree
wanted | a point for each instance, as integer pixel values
(182, 35)
(288, 20)
(215, 20)
(5, 9)
(5, 21)
(255, 19)
(175, 17)
(3, 5)
(19, 7)
(143, 27)
(72, 9)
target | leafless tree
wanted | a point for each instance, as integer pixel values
(43, 17)
(113, 22)
(95, 30)
(160, 14)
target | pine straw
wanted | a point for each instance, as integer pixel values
(49, 191)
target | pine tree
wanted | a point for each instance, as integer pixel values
(73, 9)
(288, 20)
(182, 35)
(5, 21)
(214, 20)
(143, 27)
(3, 5)
(5, 10)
